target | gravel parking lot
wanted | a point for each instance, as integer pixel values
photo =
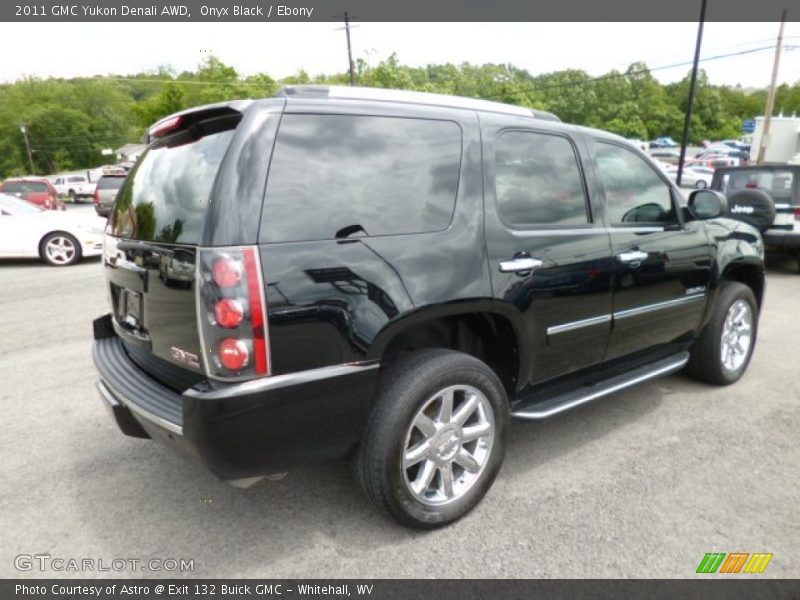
(641, 484)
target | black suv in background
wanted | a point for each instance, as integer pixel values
(339, 271)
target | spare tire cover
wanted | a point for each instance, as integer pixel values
(754, 207)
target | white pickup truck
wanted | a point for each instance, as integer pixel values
(74, 186)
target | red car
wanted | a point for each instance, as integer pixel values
(36, 190)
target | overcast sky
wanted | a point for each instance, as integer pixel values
(281, 49)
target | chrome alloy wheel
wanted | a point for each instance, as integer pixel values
(60, 249)
(448, 445)
(737, 335)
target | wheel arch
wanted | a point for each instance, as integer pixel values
(748, 273)
(478, 329)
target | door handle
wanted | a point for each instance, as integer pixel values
(633, 256)
(520, 263)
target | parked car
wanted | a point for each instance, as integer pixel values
(693, 176)
(714, 160)
(36, 190)
(106, 193)
(769, 197)
(74, 186)
(664, 142)
(396, 275)
(58, 238)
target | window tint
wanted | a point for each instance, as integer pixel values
(110, 183)
(166, 196)
(537, 180)
(24, 187)
(634, 192)
(386, 175)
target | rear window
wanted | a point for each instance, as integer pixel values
(370, 175)
(165, 197)
(25, 187)
(778, 184)
(110, 183)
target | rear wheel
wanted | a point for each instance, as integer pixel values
(435, 439)
(73, 197)
(60, 249)
(722, 352)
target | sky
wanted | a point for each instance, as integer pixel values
(281, 49)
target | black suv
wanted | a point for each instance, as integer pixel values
(341, 272)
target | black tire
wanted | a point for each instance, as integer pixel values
(706, 362)
(404, 389)
(700, 184)
(68, 258)
(73, 197)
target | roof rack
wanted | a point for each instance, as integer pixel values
(388, 95)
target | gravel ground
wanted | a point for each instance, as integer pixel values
(641, 484)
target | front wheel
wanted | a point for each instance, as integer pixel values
(722, 352)
(435, 439)
(60, 249)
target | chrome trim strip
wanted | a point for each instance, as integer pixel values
(275, 382)
(571, 326)
(665, 370)
(588, 230)
(112, 396)
(640, 310)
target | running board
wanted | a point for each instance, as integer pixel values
(531, 409)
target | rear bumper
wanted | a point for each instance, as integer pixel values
(239, 430)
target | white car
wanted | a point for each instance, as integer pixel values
(59, 238)
(696, 177)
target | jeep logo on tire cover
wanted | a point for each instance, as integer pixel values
(748, 210)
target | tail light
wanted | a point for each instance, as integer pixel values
(232, 313)
(96, 197)
(797, 213)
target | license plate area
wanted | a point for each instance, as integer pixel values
(128, 309)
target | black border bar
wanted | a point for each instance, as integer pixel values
(713, 587)
(394, 10)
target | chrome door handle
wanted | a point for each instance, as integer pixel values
(633, 256)
(520, 263)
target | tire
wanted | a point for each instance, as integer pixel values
(752, 206)
(707, 362)
(60, 249)
(700, 184)
(413, 392)
(73, 197)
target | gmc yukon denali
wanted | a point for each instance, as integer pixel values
(393, 277)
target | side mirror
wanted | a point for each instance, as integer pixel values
(707, 204)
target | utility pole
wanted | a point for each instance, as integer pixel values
(24, 129)
(347, 26)
(764, 141)
(692, 89)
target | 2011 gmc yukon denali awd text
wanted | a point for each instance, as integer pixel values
(394, 276)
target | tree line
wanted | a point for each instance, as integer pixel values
(70, 121)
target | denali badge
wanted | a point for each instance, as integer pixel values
(187, 358)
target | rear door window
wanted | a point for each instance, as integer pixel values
(370, 175)
(538, 181)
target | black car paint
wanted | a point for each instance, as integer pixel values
(341, 301)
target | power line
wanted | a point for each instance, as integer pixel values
(632, 73)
